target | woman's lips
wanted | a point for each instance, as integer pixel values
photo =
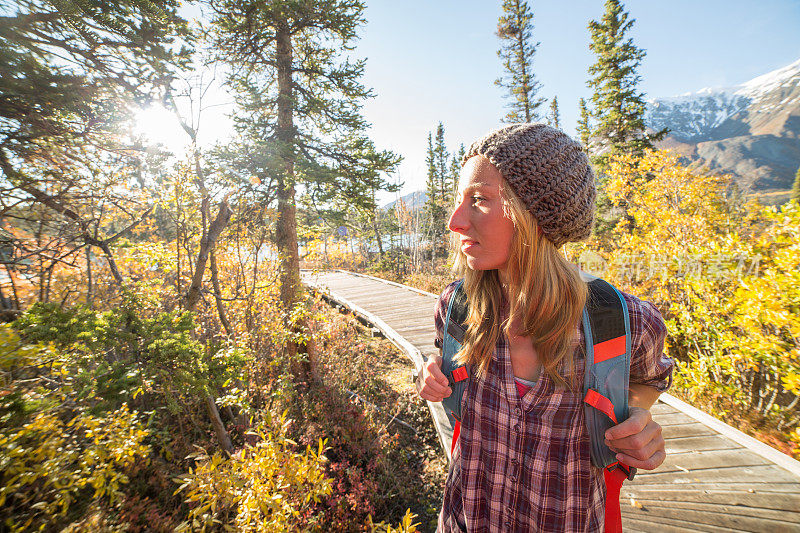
(467, 245)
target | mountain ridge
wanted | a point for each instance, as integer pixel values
(750, 130)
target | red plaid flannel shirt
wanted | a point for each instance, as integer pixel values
(523, 464)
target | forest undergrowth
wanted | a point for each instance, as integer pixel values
(103, 430)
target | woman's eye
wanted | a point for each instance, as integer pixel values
(476, 199)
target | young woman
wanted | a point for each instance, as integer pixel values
(522, 459)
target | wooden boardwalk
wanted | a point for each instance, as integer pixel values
(715, 478)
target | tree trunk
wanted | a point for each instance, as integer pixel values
(177, 243)
(112, 263)
(286, 227)
(89, 297)
(219, 427)
(377, 234)
(223, 316)
(286, 231)
(207, 243)
(10, 273)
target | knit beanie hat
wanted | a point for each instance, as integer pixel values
(549, 172)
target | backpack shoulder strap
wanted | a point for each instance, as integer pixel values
(453, 337)
(606, 327)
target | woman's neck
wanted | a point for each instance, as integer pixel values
(502, 274)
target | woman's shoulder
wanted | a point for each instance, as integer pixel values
(449, 289)
(641, 306)
(645, 317)
(444, 297)
(440, 310)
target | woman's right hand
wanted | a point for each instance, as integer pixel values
(431, 383)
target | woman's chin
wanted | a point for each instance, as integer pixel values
(475, 263)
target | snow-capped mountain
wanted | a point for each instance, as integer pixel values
(751, 131)
(413, 201)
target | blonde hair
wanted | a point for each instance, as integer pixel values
(546, 298)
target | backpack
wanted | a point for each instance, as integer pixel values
(606, 327)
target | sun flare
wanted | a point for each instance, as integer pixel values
(159, 126)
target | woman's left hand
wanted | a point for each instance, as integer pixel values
(637, 440)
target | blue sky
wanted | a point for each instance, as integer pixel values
(436, 60)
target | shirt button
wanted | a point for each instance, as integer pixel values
(518, 411)
(516, 427)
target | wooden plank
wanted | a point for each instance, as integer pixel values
(662, 409)
(422, 341)
(701, 443)
(718, 516)
(444, 428)
(708, 461)
(673, 419)
(743, 486)
(751, 474)
(367, 300)
(742, 501)
(695, 429)
(755, 446)
(415, 322)
(659, 524)
(402, 312)
(408, 330)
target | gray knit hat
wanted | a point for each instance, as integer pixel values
(549, 172)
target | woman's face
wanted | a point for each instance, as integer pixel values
(479, 219)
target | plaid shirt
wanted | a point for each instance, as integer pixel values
(523, 464)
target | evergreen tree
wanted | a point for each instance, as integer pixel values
(432, 185)
(514, 29)
(616, 104)
(70, 72)
(440, 189)
(553, 118)
(455, 168)
(298, 90)
(584, 129)
(443, 176)
(796, 186)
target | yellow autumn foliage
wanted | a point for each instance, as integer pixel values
(57, 455)
(263, 488)
(726, 275)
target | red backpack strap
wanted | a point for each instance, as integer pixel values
(456, 433)
(614, 477)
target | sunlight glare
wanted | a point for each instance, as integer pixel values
(159, 126)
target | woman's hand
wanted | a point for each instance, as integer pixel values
(637, 441)
(431, 383)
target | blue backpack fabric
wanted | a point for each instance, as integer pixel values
(606, 327)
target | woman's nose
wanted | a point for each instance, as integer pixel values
(458, 222)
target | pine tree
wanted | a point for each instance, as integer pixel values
(431, 183)
(553, 118)
(514, 29)
(584, 129)
(442, 174)
(430, 161)
(616, 104)
(796, 187)
(297, 89)
(455, 168)
(440, 189)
